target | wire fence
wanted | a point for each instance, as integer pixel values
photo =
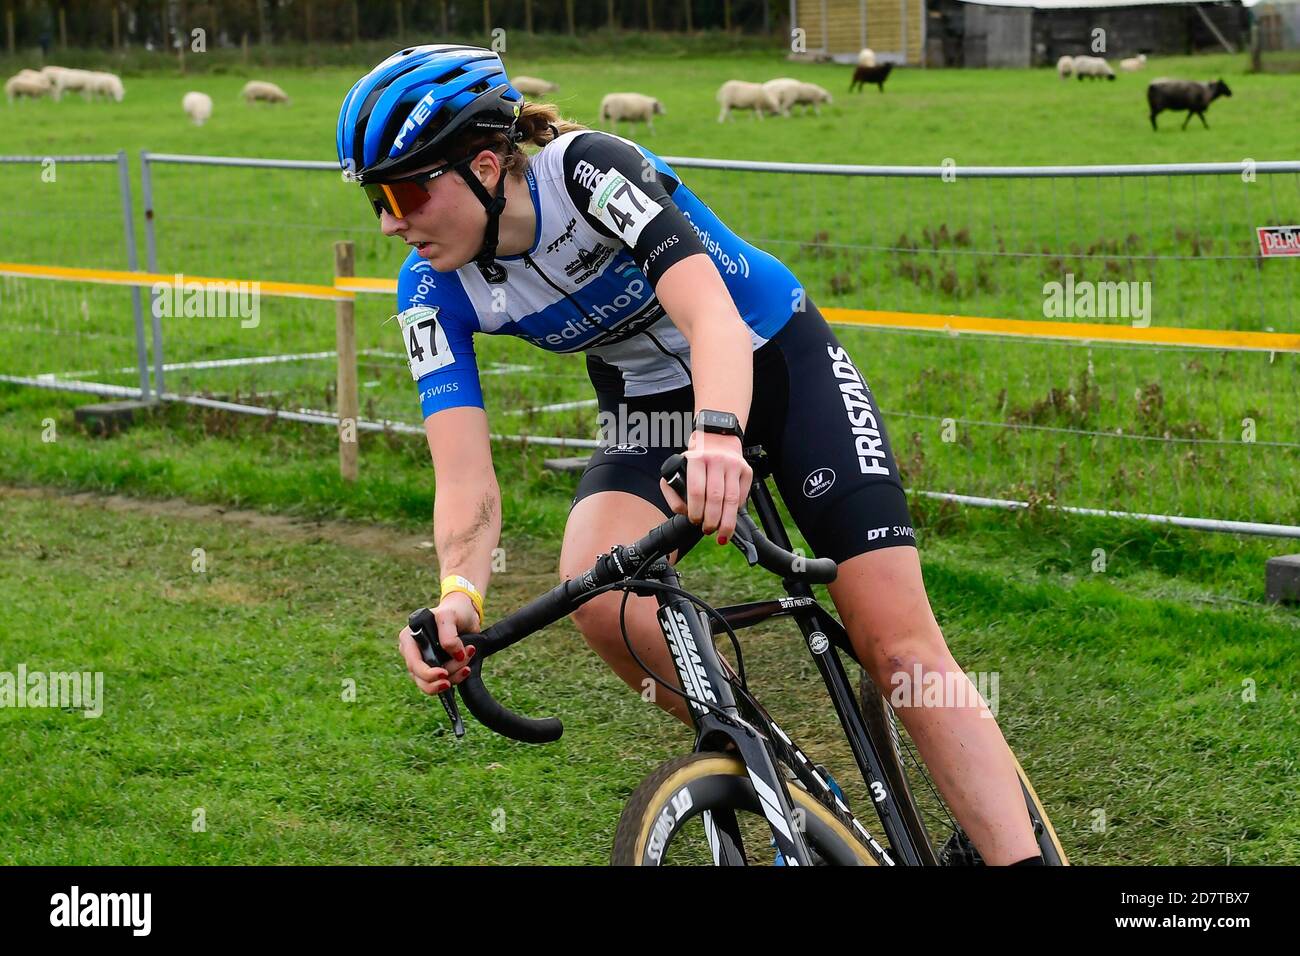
(69, 210)
(1169, 429)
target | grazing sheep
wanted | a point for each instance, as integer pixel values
(1065, 66)
(198, 106)
(107, 85)
(810, 94)
(532, 86)
(630, 106)
(871, 74)
(1093, 67)
(1166, 94)
(27, 83)
(739, 95)
(785, 91)
(1133, 63)
(64, 78)
(866, 57)
(262, 90)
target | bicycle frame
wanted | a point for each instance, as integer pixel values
(705, 676)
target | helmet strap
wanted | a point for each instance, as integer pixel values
(494, 206)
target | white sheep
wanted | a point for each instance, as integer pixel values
(263, 90)
(198, 106)
(105, 84)
(64, 78)
(532, 86)
(1065, 66)
(866, 56)
(739, 95)
(27, 83)
(810, 94)
(1093, 67)
(1133, 63)
(630, 106)
(785, 91)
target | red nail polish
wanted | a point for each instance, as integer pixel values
(460, 656)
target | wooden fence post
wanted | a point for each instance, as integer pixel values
(345, 336)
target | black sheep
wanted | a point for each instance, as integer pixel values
(870, 74)
(1187, 95)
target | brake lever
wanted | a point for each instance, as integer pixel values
(673, 471)
(741, 537)
(422, 624)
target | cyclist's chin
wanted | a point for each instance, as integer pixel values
(443, 259)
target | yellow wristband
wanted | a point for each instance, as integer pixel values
(454, 582)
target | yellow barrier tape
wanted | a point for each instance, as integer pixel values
(1086, 331)
(363, 284)
(296, 290)
(1024, 328)
(346, 287)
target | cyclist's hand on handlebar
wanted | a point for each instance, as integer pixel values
(717, 483)
(455, 615)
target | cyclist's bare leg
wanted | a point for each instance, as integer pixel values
(881, 599)
(597, 523)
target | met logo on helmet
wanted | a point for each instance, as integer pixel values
(418, 119)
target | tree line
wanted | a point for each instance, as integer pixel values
(155, 24)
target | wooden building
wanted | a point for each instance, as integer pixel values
(893, 29)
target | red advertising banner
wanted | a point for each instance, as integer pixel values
(1279, 240)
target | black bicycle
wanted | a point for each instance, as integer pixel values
(747, 787)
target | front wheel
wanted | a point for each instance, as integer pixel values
(701, 810)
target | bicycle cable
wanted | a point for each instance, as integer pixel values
(626, 585)
(731, 634)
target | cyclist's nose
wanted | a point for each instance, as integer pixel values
(390, 225)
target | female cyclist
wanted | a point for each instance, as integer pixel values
(594, 244)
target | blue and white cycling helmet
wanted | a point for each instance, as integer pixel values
(403, 114)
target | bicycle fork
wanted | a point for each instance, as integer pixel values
(704, 680)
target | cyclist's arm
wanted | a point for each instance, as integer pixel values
(437, 325)
(697, 301)
(467, 499)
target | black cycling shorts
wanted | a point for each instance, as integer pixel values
(816, 418)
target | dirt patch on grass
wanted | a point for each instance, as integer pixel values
(385, 541)
(374, 539)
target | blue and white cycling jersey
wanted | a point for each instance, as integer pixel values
(611, 218)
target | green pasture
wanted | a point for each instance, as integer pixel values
(256, 711)
(1158, 690)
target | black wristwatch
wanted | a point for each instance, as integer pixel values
(718, 423)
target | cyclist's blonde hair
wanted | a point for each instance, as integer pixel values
(540, 123)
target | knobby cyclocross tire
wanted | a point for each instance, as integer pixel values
(958, 851)
(684, 787)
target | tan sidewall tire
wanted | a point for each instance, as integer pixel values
(643, 807)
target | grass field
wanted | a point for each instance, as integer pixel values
(1121, 691)
(224, 691)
